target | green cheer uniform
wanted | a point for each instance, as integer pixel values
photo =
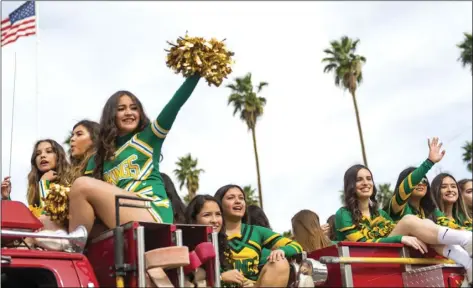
(135, 165)
(376, 229)
(460, 223)
(399, 205)
(247, 248)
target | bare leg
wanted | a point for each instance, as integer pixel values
(274, 274)
(91, 197)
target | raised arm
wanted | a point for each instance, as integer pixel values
(161, 126)
(403, 192)
(348, 231)
(272, 240)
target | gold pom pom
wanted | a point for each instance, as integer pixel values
(57, 203)
(210, 59)
(37, 211)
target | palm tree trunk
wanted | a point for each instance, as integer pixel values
(260, 195)
(358, 122)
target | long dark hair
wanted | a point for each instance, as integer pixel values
(62, 169)
(79, 164)
(221, 193)
(350, 198)
(427, 202)
(331, 222)
(258, 217)
(109, 131)
(193, 209)
(177, 206)
(461, 187)
(459, 210)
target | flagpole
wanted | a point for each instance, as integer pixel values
(36, 6)
(12, 117)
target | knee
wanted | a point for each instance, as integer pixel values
(280, 267)
(408, 220)
(80, 185)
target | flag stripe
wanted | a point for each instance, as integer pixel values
(30, 20)
(20, 29)
(18, 35)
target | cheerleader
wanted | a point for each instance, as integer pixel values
(126, 163)
(308, 231)
(247, 241)
(451, 210)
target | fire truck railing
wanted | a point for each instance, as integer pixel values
(384, 260)
(7, 233)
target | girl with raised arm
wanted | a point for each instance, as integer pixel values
(361, 221)
(126, 163)
(246, 242)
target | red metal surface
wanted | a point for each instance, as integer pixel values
(40, 254)
(85, 273)
(15, 215)
(63, 270)
(334, 276)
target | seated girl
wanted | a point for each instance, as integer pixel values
(451, 210)
(126, 163)
(361, 221)
(246, 242)
(308, 232)
(465, 186)
(206, 210)
(412, 195)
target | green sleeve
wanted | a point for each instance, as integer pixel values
(272, 240)
(403, 192)
(155, 133)
(43, 191)
(347, 231)
(90, 167)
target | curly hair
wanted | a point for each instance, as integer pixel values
(79, 164)
(109, 131)
(62, 169)
(193, 209)
(350, 197)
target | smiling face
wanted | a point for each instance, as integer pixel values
(210, 214)
(80, 141)
(449, 190)
(364, 184)
(128, 116)
(420, 189)
(45, 157)
(466, 193)
(233, 203)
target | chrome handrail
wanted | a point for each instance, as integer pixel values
(13, 233)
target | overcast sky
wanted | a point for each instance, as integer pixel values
(413, 89)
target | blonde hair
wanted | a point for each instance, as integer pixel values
(307, 231)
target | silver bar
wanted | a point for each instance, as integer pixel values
(347, 276)
(6, 259)
(180, 270)
(405, 254)
(13, 233)
(140, 247)
(217, 260)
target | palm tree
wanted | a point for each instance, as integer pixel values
(346, 66)
(467, 154)
(466, 50)
(68, 139)
(383, 195)
(251, 106)
(188, 174)
(251, 198)
(287, 234)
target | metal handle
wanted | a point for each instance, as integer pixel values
(13, 233)
(217, 259)
(6, 259)
(180, 270)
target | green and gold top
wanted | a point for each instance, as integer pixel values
(247, 248)
(399, 205)
(376, 229)
(459, 223)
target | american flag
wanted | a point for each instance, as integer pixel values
(20, 23)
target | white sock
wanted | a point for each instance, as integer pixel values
(448, 236)
(457, 254)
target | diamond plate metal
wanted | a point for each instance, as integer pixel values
(431, 276)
